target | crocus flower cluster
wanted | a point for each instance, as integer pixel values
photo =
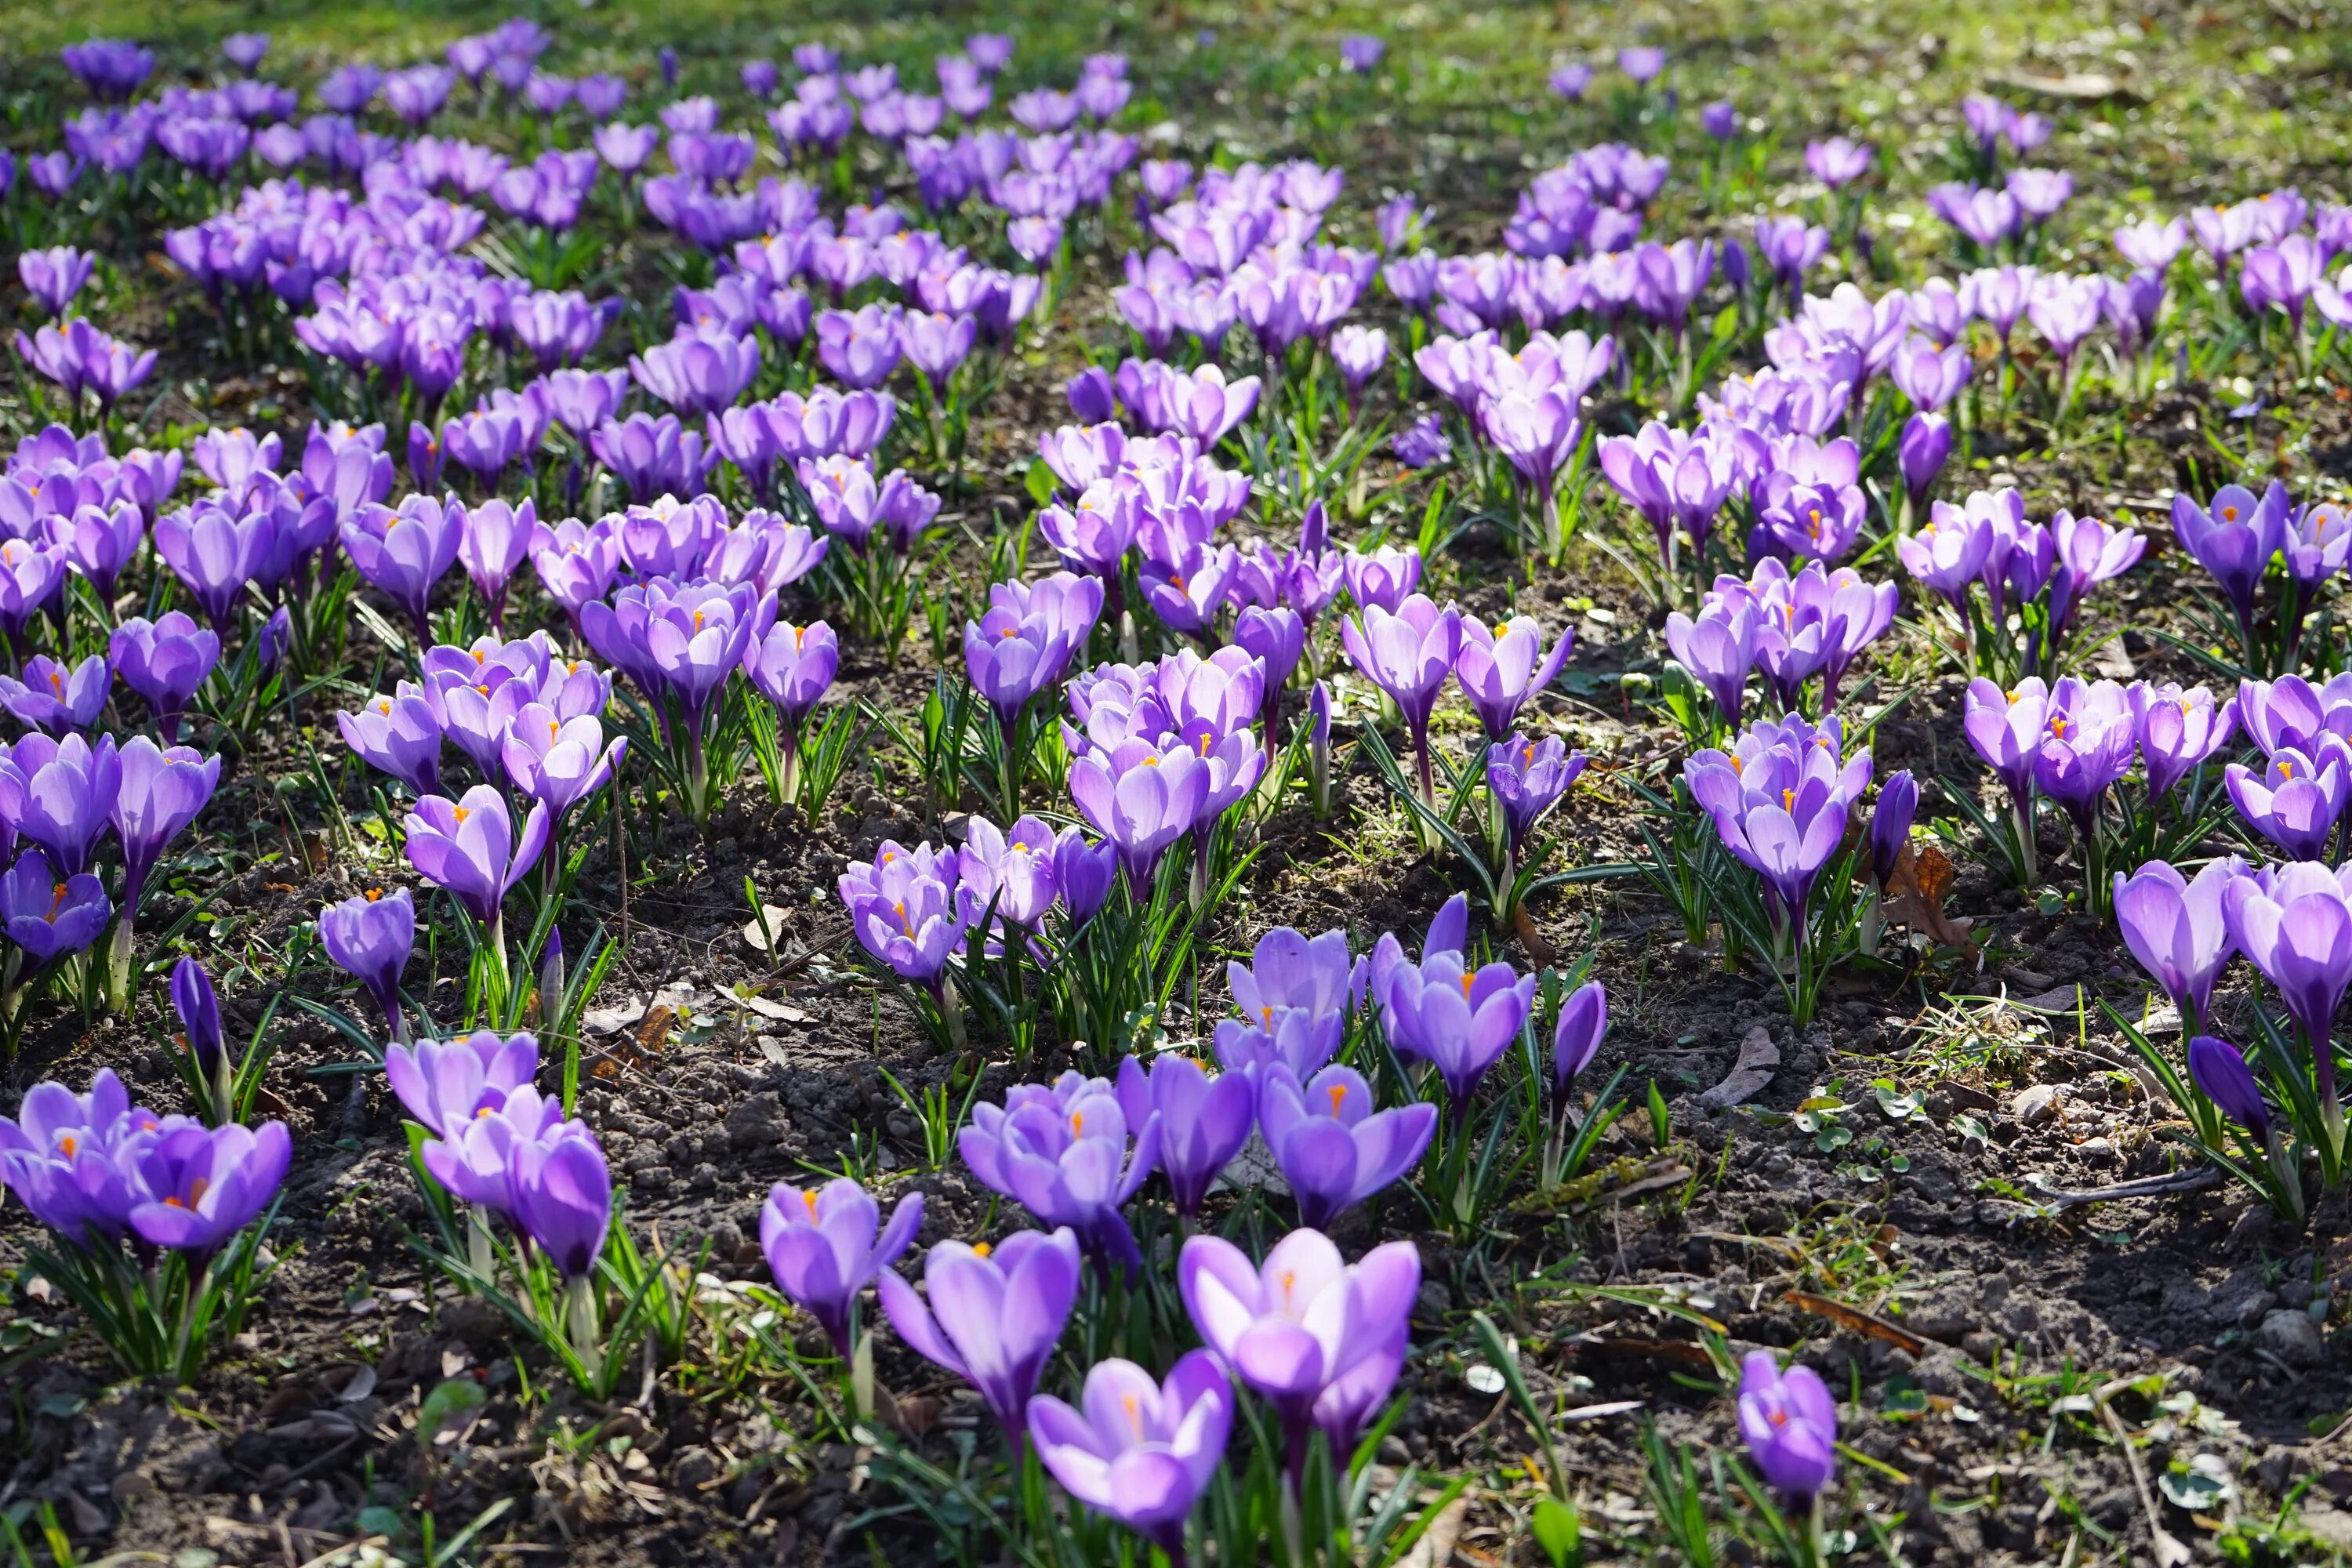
(1779, 799)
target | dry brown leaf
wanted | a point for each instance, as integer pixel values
(1914, 897)
(1859, 1321)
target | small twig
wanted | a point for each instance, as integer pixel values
(2170, 1550)
(2145, 1187)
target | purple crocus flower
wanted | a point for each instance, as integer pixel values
(1790, 1424)
(562, 1196)
(2179, 929)
(1583, 1025)
(1203, 1121)
(1023, 644)
(48, 912)
(2220, 1072)
(59, 794)
(1142, 798)
(161, 791)
(54, 698)
(400, 735)
(792, 667)
(1383, 578)
(370, 938)
(557, 761)
(2086, 747)
(1719, 648)
(1925, 445)
(215, 552)
(1500, 669)
(904, 908)
(1140, 1452)
(194, 999)
(1061, 1152)
(825, 1245)
(1323, 1340)
(1642, 62)
(2234, 538)
(203, 1184)
(1332, 1147)
(53, 276)
(1458, 1019)
(994, 1317)
(1839, 161)
(2294, 922)
(1526, 779)
(404, 551)
(2296, 800)
(1407, 655)
(470, 849)
(444, 1084)
(2177, 729)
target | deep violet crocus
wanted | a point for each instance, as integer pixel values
(1790, 1424)
(1332, 1147)
(202, 1186)
(2219, 1070)
(994, 1315)
(369, 937)
(1323, 1340)
(1203, 1121)
(2178, 930)
(1140, 1451)
(58, 793)
(825, 1245)
(56, 698)
(47, 914)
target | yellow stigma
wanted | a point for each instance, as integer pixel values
(981, 1249)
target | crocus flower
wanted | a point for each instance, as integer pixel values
(905, 910)
(2179, 929)
(1383, 578)
(399, 735)
(1142, 798)
(1203, 1121)
(214, 554)
(1025, 641)
(370, 938)
(1333, 1149)
(1061, 1152)
(2295, 802)
(1500, 669)
(559, 763)
(56, 698)
(202, 1186)
(2294, 922)
(1457, 1019)
(194, 1001)
(1790, 1424)
(1322, 1339)
(2005, 729)
(1583, 1025)
(994, 1317)
(493, 538)
(1406, 655)
(2220, 1070)
(2176, 729)
(825, 1245)
(403, 552)
(470, 849)
(2086, 747)
(1140, 1452)
(562, 1193)
(161, 791)
(1526, 779)
(47, 912)
(1719, 648)
(444, 1084)
(2234, 539)
(59, 794)
(53, 276)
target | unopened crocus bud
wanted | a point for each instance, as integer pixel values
(1089, 393)
(2220, 1070)
(199, 1009)
(424, 458)
(1927, 443)
(1583, 1025)
(551, 978)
